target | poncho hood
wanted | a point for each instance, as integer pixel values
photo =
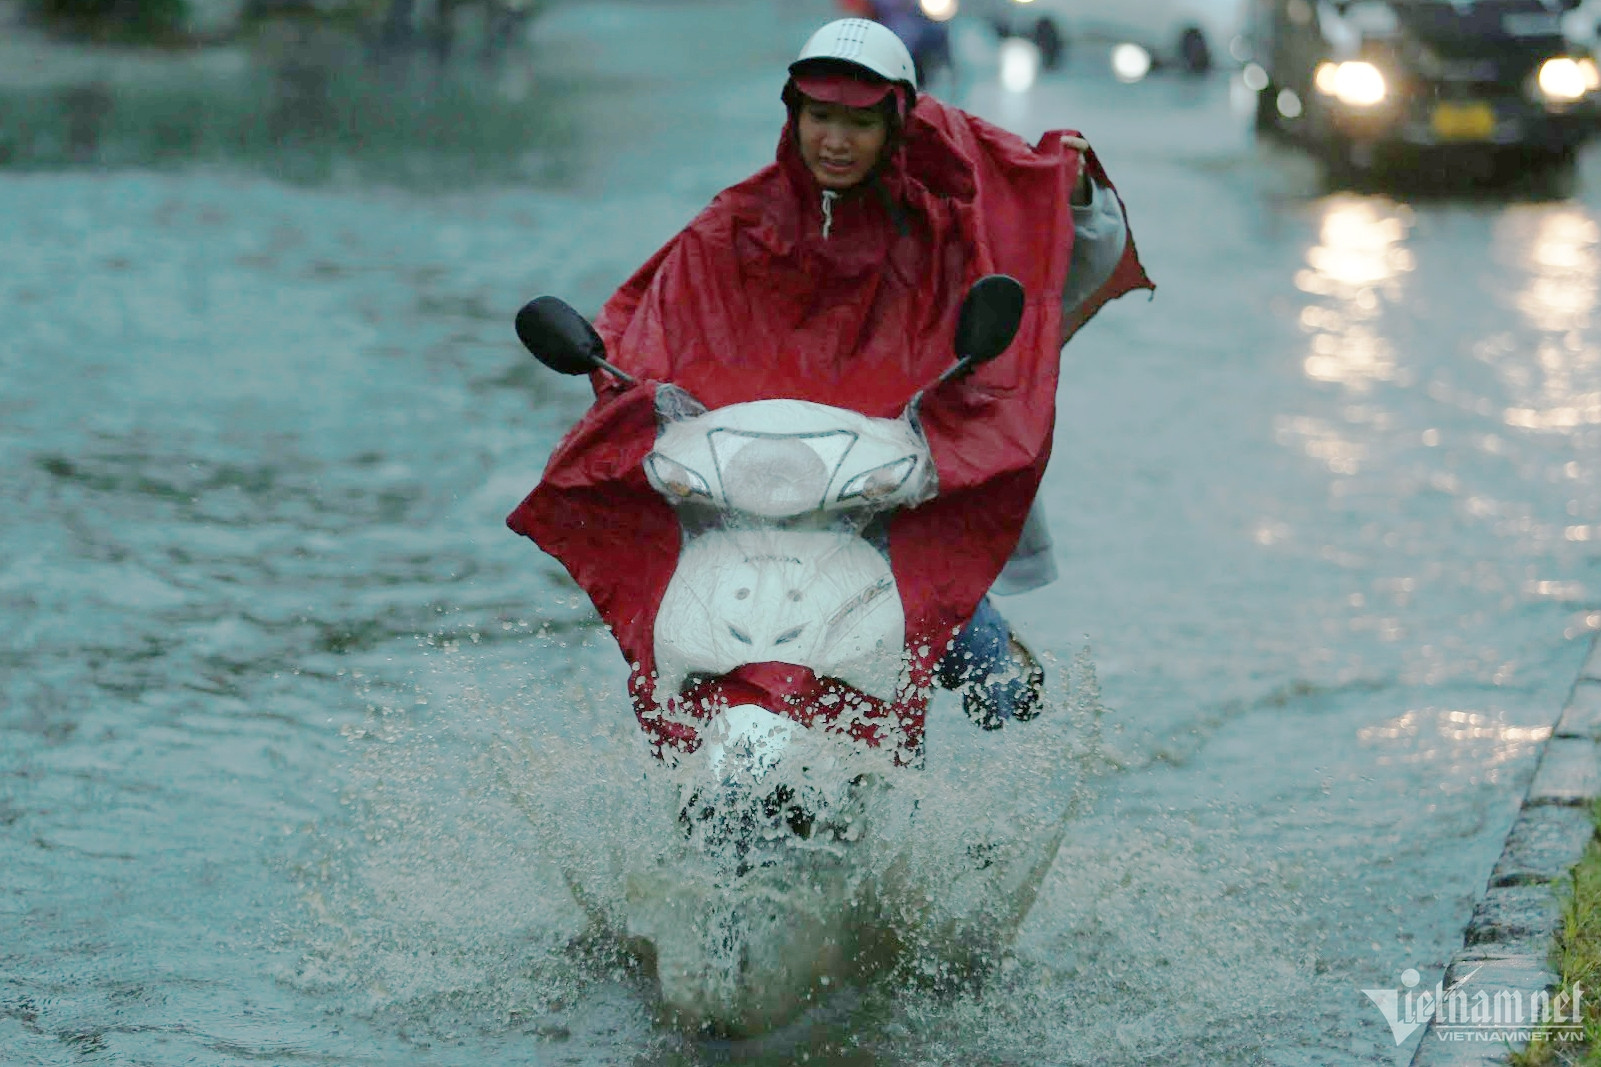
(776, 291)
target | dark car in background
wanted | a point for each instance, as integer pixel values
(1475, 87)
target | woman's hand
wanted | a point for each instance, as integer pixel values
(1081, 189)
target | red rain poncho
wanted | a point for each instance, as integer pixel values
(752, 301)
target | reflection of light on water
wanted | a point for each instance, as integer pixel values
(1430, 734)
(1360, 247)
(1585, 410)
(1359, 257)
(1271, 532)
(1560, 385)
(1563, 267)
(1020, 64)
(1321, 441)
(1130, 62)
(1555, 590)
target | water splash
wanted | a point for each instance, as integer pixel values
(506, 857)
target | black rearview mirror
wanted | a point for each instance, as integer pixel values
(991, 313)
(561, 338)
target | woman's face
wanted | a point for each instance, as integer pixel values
(840, 145)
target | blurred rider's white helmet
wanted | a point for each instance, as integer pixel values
(871, 48)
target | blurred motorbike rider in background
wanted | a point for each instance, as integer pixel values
(835, 275)
(926, 38)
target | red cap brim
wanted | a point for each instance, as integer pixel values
(842, 89)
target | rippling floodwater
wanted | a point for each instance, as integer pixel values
(1324, 509)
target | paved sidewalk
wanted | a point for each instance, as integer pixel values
(1507, 947)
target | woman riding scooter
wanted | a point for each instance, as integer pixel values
(835, 275)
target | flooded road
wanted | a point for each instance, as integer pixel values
(1324, 511)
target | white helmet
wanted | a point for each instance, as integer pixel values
(859, 43)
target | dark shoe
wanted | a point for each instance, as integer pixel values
(1017, 694)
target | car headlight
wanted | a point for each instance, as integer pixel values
(1565, 79)
(1356, 82)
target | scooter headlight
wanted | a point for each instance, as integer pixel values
(880, 481)
(1355, 83)
(1563, 80)
(939, 10)
(673, 480)
(773, 476)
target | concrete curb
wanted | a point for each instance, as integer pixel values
(1507, 945)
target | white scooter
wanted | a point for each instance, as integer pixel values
(781, 504)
